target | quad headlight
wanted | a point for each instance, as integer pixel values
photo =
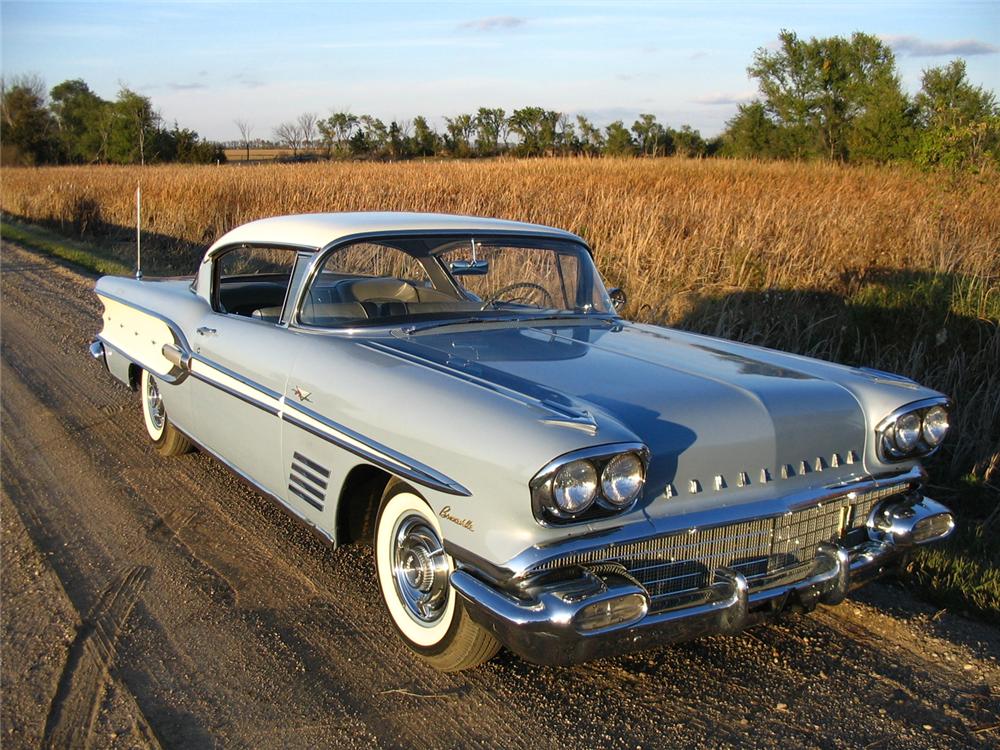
(591, 483)
(915, 430)
(935, 425)
(622, 479)
(574, 487)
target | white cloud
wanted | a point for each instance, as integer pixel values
(914, 46)
(721, 98)
(494, 23)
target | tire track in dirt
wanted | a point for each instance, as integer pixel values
(74, 707)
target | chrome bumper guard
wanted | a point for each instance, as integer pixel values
(601, 613)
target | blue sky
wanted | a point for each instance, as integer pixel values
(205, 64)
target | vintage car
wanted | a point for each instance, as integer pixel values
(532, 470)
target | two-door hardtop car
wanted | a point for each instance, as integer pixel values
(532, 469)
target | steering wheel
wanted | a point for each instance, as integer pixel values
(531, 286)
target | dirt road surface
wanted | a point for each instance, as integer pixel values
(151, 602)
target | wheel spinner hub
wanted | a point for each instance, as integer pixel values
(155, 403)
(420, 570)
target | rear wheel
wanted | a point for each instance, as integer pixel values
(166, 438)
(413, 575)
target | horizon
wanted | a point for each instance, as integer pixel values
(214, 63)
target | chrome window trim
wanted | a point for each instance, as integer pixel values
(889, 421)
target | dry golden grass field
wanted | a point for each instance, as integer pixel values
(888, 268)
(256, 154)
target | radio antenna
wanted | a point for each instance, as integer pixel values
(138, 231)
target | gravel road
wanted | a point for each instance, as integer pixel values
(152, 602)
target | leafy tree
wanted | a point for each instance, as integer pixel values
(371, 137)
(751, 133)
(337, 131)
(459, 130)
(815, 89)
(27, 129)
(185, 145)
(961, 121)
(948, 99)
(688, 142)
(618, 140)
(527, 123)
(398, 144)
(425, 139)
(79, 115)
(491, 130)
(590, 140)
(134, 127)
(651, 137)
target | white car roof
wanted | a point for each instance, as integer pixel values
(319, 230)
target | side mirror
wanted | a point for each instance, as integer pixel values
(469, 267)
(618, 298)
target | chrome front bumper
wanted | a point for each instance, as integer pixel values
(552, 621)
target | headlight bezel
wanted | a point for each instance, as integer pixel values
(886, 445)
(543, 504)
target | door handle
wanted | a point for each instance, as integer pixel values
(206, 331)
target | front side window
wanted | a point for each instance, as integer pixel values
(413, 279)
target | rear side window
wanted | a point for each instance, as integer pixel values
(253, 281)
(256, 261)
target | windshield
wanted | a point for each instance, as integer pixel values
(427, 279)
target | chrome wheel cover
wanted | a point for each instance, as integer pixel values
(154, 404)
(420, 569)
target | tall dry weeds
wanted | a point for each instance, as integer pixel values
(888, 268)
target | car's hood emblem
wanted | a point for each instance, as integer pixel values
(300, 394)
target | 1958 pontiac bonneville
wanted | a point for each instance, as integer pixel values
(533, 470)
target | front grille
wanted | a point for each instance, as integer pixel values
(684, 561)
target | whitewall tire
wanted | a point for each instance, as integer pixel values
(413, 576)
(166, 438)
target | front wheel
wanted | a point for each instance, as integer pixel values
(167, 439)
(413, 575)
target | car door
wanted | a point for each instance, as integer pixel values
(240, 364)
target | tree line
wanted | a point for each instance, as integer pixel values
(833, 98)
(525, 132)
(73, 125)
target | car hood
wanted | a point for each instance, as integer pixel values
(759, 418)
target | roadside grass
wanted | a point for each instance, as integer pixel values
(86, 255)
(963, 573)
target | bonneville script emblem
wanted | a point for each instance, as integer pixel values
(465, 523)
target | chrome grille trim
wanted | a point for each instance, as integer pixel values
(682, 561)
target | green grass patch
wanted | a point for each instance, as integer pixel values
(89, 256)
(963, 573)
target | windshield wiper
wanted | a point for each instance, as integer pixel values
(474, 319)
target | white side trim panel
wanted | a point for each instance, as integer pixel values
(138, 334)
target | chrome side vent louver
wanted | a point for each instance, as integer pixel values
(308, 480)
